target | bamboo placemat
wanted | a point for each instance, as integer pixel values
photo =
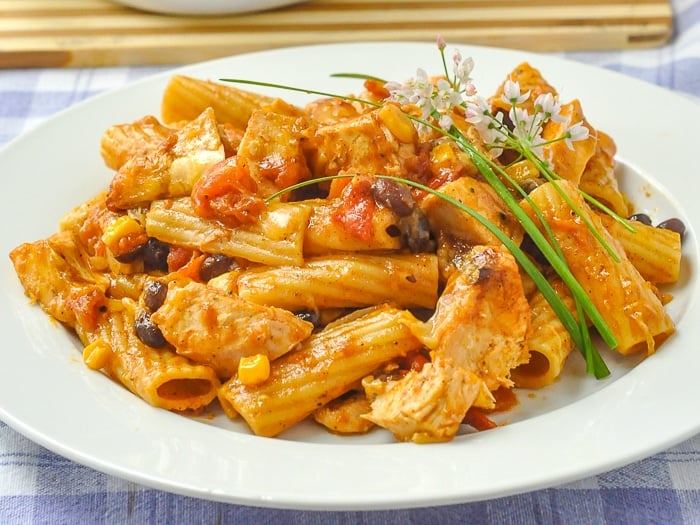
(43, 33)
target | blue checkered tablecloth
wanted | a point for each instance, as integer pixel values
(38, 486)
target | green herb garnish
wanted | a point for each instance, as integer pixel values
(436, 101)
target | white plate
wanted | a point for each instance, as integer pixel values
(577, 428)
(205, 7)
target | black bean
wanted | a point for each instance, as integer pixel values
(393, 230)
(155, 255)
(147, 331)
(673, 224)
(215, 265)
(641, 217)
(416, 232)
(394, 196)
(154, 295)
(311, 316)
(131, 256)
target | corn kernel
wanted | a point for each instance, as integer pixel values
(97, 354)
(254, 369)
(398, 123)
(523, 171)
(124, 226)
(442, 153)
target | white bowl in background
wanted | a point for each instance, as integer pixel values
(205, 7)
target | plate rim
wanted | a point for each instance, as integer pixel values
(352, 501)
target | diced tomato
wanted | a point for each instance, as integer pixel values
(357, 209)
(337, 186)
(178, 257)
(227, 193)
(377, 88)
(87, 304)
(192, 266)
(283, 172)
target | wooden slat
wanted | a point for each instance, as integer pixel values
(98, 32)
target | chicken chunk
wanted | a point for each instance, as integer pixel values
(170, 169)
(271, 150)
(359, 145)
(211, 327)
(476, 335)
(121, 142)
(428, 405)
(482, 317)
(478, 196)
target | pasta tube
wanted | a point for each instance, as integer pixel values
(159, 376)
(70, 293)
(345, 281)
(530, 80)
(328, 364)
(598, 179)
(567, 161)
(625, 300)
(548, 341)
(344, 414)
(185, 98)
(654, 252)
(277, 239)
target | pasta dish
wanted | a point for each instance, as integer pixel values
(401, 258)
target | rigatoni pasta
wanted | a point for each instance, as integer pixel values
(354, 261)
(159, 376)
(549, 344)
(184, 98)
(624, 298)
(344, 281)
(654, 252)
(278, 238)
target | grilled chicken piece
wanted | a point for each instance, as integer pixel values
(428, 405)
(271, 150)
(476, 335)
(121, 142)
(53, 273)
(211, 327)
(478, 196)
(482, 316)
(172, 168)
(359, 145)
